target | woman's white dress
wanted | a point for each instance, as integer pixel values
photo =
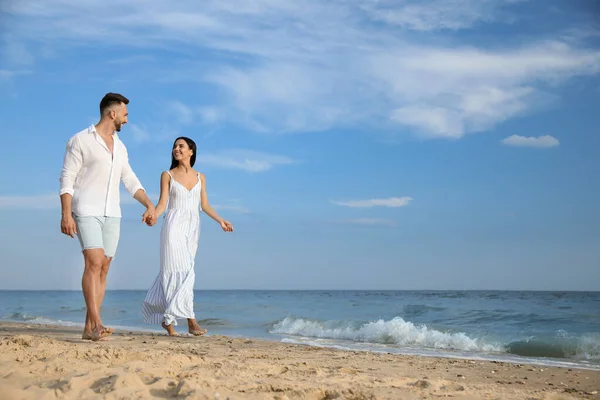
(171, 296)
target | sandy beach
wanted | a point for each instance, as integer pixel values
(47, 362)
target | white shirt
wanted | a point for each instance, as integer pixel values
(91, 174)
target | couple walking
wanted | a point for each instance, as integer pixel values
(95, 162)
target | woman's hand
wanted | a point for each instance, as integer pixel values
(226, 226)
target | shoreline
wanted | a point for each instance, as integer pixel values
(46, 360)
(542, 362)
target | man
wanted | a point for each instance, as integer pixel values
(94, 163)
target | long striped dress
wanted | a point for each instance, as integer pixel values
(171, 296)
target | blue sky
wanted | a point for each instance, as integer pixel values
(354, 145)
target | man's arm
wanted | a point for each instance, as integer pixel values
(141, 196)
(135, 188)
(72, 163)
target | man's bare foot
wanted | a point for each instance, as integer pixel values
(195, 329)
(88, 336)
(170, 330)
(99, 333)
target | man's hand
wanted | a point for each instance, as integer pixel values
(67, 225)
(150, 221)
(149, 216)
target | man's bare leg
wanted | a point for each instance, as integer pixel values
(100, 291)
(90, 283)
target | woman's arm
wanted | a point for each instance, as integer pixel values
(165, 182)
(226, 226)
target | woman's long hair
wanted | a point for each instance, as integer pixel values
(191, 144)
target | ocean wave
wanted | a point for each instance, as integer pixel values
(419, 309)
(584, 347)
(476, 317)
(37, 319)
(19, 316)
(396, 331)
(214, 322)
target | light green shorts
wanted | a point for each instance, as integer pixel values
(99, 233)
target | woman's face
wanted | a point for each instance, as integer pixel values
(181, 150)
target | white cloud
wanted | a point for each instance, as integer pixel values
(183, 114)
(6, 74)
(139, 133)
(246, 160)
(452, 92)
(134, 59)
(437, 14)
(15, 53)
(284, 97)
(318, 64)
(209, 115)
(369, 222)
(474, 111)
(434, 121)
(539, 142)
(389, 202)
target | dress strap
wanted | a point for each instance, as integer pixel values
(168, 172)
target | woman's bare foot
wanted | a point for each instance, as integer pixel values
(170, 330)
(194, 328)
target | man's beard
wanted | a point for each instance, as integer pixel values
(118, 126)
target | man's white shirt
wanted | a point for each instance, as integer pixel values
(91, 174)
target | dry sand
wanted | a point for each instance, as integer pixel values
(46, 362)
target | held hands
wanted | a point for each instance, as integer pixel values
(67, 226)
(226, 226)
(149, 216)
(150, 221)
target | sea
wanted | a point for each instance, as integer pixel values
(540, 328)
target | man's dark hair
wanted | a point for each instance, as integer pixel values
(112, 98)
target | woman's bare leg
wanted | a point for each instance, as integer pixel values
(170, 329)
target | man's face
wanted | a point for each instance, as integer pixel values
(121, 114)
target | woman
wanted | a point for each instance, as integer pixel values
(171, 296)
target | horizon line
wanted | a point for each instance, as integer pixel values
(322, 290)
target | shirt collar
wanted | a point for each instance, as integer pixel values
(92, 129)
